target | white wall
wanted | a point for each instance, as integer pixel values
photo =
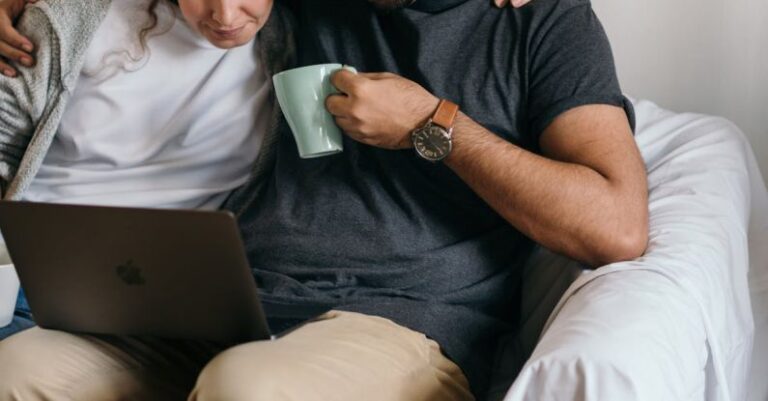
(708, 56)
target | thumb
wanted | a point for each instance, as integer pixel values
(346, 81)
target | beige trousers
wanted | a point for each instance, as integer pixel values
(339, 356)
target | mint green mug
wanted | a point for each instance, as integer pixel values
(301, 93)
(9, 287)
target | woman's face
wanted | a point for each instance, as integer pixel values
(226, 23)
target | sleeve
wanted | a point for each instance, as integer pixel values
(23, 99)
(571, 65)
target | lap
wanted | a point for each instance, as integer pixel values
(48, 364)
(339, 356)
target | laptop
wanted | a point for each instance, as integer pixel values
(126, 271)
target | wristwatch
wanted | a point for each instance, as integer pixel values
(433, 141)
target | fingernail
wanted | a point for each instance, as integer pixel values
(9, 72)
(27, 47)
(26, 61)
(518, 3)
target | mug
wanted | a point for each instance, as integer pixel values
(9, 287)
(301, 93)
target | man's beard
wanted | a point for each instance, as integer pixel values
(388, 5)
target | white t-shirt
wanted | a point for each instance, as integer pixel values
(177, 127)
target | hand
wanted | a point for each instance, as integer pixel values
(514, 3)
(380, 109)
(13, 46)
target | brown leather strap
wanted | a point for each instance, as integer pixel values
(445, 114)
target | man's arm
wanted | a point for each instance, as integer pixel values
(586, 199)
(17, 47)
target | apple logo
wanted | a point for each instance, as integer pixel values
(130, 274)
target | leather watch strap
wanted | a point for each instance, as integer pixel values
(445, 114)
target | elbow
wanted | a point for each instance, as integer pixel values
(630, 246)
(624, 245)
(627, 237)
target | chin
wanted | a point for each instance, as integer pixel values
(230, 43)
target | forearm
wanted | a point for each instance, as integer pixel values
(568, 208)
(587, 199)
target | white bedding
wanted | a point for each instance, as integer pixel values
(677, 323)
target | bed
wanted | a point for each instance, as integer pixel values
(687, 321)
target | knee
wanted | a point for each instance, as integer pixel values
(258, 374)
(18, 368)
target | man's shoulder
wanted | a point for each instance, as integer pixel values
(549, 21)
(62, 31)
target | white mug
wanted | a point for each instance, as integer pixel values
(9, 287)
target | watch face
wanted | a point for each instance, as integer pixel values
(432, 142)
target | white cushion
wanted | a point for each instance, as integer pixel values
(675, 324)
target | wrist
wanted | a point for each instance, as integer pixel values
(433, 140)
(426, 111)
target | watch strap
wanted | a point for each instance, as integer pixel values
(445, 114)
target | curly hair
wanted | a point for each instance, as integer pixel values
(153, 20)
(126, 59)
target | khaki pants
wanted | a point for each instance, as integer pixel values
(339, 356)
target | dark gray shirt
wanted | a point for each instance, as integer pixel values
(386, 233)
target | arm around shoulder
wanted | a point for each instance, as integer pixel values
(26, 97)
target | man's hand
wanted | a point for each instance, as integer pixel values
(514, 3)
(13, 46)
(380, 109)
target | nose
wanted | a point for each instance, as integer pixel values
(223, 12)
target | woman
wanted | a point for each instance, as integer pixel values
(162, 105)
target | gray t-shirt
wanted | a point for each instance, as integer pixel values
(386, 233)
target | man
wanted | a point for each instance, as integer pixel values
(417, 252)
(542, 149)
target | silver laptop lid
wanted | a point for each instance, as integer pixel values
(125, 271)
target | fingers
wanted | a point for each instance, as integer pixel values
(12, 53)
(514, 3)
(345, 114)
(12, 37)
(13, 46)
(338, 105)
(351, 85)
(377, 75)
(6, 69)
(347, 125)
(346, 81)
